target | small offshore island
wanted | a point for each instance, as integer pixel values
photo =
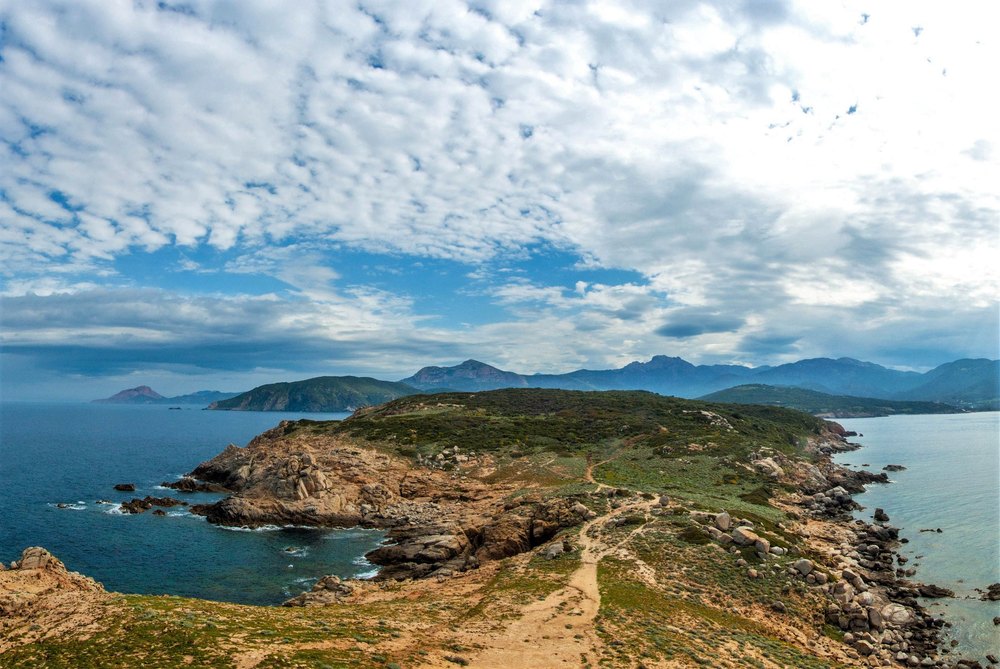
(527, 527)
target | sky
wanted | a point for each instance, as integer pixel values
(215, 195)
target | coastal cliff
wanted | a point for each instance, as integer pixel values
(555, 528)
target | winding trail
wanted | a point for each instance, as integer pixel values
(557, 631)
(552, 633)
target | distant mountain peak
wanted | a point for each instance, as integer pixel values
(659, 362)
(478, 375)
(475, 364)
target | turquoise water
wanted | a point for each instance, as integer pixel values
(952, 482)
(74, 454)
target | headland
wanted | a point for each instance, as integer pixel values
(534, 528)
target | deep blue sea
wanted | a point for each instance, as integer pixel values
(952, 482)
(75, 453)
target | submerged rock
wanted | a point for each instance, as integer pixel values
(934, 591)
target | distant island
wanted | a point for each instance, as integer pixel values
(823, 404)
(146, 395)
(321, 394)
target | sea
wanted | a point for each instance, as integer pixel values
(67, 454)
(58, 467)
(947, 504)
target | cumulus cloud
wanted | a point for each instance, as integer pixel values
(774, 171)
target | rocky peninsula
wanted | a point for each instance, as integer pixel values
(549, 528)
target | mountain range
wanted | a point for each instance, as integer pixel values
(967, 384)
(970, 383)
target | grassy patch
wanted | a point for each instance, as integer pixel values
(680, 624)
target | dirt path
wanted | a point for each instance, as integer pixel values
(558, 631)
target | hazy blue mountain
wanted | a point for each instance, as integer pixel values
(201, 397)
(843, 376)
(823, 404)
(323, 393)
(968, 382)
(662, 374)
(137, 395)
(470, 375)
(963, 382)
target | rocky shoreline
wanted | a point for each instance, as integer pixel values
(873, 603)
(441, 523)
(438, 523)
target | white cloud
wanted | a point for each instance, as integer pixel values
(756, 160)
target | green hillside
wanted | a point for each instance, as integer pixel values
(323, 393)
(817, 403)
(519, 422)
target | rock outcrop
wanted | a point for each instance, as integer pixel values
(281, 478)
(439, 520)
(40, 598)
(188, 484)
(467, 540)
(137, 505)
(328, 590)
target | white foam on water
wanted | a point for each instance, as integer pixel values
(115, 511)
(68, 506)
(244, 528)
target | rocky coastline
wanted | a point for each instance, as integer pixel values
(437, 524)
(873, 602)
(748, 538)
(440, 525)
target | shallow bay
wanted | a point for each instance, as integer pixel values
(73, 454)
(951, 482)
